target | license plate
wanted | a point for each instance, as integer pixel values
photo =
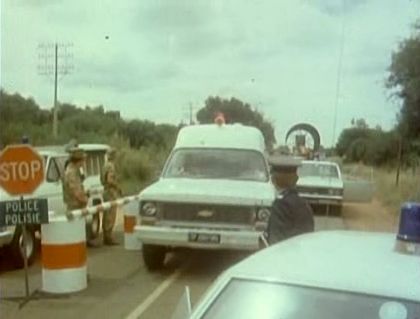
(204, 238)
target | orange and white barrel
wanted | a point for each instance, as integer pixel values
(64, 255)
(131, 212)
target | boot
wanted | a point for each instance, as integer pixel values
(109, 241)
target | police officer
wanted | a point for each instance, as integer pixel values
(111, 192)
(74, 194)
(291, 215)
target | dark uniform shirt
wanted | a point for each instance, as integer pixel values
(291, 215)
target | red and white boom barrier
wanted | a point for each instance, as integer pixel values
(130, 204)
(92, 210)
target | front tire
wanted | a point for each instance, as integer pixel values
(154, 256)
(93, 227)
(17, 248)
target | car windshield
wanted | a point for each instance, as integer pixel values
(247, 299)
(217, 164)
(318, 169)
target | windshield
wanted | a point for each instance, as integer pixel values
(317, 169)
(246, 299)
(217, 164)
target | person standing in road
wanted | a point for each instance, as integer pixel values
(112, 191)
(74, 194)
(291, 215)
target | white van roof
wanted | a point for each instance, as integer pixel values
(236, 136)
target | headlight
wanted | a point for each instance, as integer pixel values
(263, 214)
(149, 209)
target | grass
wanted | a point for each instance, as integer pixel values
(138, 168)
(386, 190)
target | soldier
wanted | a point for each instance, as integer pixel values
(74, 194)
(111, 192)
(291, 215)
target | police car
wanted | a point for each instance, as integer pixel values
(322, 275)
(55, 158)
(214, 193)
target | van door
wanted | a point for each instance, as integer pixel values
(52, 188)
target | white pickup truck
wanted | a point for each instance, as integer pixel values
(214, 192)
(51, 188)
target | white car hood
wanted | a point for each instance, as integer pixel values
(214, 191)
(316, 181)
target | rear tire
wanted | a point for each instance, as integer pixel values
(16, 246)
(154, 256)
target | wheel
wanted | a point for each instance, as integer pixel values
(336, 210)
(154, 256)
(17, 249)
(93, 227)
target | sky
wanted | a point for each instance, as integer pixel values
(152, 59)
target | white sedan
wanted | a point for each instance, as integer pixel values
(322, 275)
(321, 184)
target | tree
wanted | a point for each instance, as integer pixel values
(404, 81)
(236, 111)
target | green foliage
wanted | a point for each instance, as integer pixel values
(371, 146)
(236, 111)
(143, 145)
(404, 80)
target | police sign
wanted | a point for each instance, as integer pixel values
(27, 211)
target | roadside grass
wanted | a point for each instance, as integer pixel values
(138, 168)
(386, 190)
(393, 196)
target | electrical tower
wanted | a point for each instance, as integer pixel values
(55, 60)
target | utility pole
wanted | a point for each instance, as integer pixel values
(191, 114)
(54, 62)
(55, 114)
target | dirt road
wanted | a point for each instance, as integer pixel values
(121, 287)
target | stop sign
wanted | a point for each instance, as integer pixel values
(21, 169)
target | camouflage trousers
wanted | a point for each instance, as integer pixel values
(109, 216)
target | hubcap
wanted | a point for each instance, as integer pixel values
(29, 245)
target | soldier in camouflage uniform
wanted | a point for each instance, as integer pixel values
(74, 194)
(112, 191)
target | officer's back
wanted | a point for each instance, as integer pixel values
(291, 215)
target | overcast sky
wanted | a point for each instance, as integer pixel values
(151, 59)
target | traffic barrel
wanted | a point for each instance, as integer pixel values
(64, 255)
(131, 211)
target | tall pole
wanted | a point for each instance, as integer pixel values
(55, 113)
(191, 114)
(54, 63)
(400, 150)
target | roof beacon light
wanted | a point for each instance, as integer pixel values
(409, 228)
(219, 118)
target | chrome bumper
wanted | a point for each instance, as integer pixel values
(183, 237)
(323, 199)
(6, 237)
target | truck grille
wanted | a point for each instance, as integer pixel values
(313, 190)
(201, 213)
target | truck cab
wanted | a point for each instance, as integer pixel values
(214, 192)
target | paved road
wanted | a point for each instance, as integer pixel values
(121, 287)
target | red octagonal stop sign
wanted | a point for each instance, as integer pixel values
(21, 169)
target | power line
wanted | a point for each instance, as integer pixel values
(339, 72)
(54, 62)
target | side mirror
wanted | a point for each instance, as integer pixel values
(183, 309)
(156, 174)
